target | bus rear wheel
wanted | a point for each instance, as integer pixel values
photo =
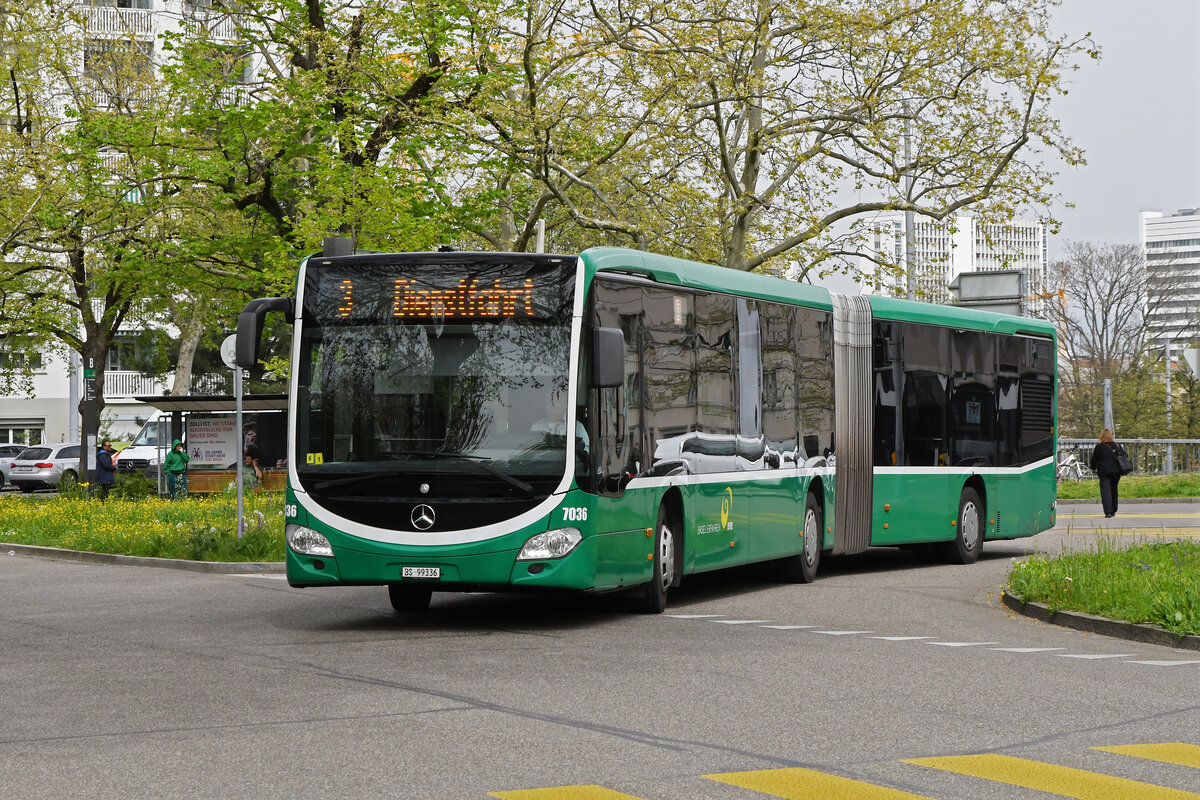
(802, 567)
(968, 538)
(654, 593)
(406, 597)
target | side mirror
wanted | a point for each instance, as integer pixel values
(608, 357)
(250, 325)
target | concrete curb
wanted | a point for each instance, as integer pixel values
(1150, 634)
(219, 567)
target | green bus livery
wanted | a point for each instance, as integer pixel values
(617, 420)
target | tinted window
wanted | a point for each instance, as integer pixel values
(813, 341)
(69, 452)
(615, 413)
(1037, 401)
(926, 352)
(779, 381)
(34, 453)
(972, 399)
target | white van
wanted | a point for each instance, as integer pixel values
(150, 445)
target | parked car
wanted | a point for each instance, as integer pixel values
(7, 453)
(43, 466)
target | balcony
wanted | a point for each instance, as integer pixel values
(127, 383)
(108, 21)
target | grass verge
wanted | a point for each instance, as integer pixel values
(1181, 484)
(198, 528)
(1156, 583)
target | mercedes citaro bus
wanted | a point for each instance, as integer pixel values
(618, 420)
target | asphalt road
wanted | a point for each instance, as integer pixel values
(131, 682)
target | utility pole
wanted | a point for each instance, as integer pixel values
(909, 217)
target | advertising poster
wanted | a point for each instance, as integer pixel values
(212, 441)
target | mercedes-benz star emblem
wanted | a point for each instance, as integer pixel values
(423, 517)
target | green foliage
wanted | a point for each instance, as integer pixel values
(133, 486)
(1156, 583)
(201, 528)
(1179, 484)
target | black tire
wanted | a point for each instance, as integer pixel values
(654, 593)
(67, 480)
(802, 567)
(968, 536)
(406, 598)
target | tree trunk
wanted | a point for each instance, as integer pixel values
(191, 331)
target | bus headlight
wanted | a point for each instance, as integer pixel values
(551, 544)
(307, 542)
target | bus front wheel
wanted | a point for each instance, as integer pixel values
(968, 538)
(409, 598)
(802, 568)
(654, 593)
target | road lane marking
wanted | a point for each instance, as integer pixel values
(900, 638)
(1026, 649)
(1095, 656)
(796, 783)
(1186, 755)
(582, 792)
(787, 627)
(1066, 781)
(738, 621)
(961, 644)
(842, 633)
(1162, 663)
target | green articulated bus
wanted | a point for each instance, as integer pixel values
(617, 420)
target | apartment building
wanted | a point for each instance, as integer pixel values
(1171, 244)
(941, 251)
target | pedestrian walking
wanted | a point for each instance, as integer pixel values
(175, 465)
(1106, 463)
(106, 472)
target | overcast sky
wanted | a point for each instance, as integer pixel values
(1135, 112)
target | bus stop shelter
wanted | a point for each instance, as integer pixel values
(211, 418)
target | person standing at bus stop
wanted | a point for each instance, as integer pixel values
(1104, 464)
(106, 472)
(175, 465)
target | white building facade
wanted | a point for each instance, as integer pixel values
(1171, 244)
(941, 251)
(44, 407)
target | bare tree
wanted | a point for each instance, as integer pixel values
(1104, 333)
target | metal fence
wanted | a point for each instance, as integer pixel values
(1149, 456)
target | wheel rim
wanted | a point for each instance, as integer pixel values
(666, 556)
(969, 525)
(810, 536)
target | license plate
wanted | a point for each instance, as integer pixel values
(421, 572)
(22, 469)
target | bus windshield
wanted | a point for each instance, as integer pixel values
(433, 380)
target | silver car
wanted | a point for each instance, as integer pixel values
(43, 466)
(7, 453)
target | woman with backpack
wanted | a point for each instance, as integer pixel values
(1106, 463)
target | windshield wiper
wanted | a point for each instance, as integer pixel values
(477, 461)
(474, 460)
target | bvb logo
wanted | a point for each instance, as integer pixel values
(726, 507)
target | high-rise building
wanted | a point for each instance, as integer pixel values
(1172, 248)
(942, 251)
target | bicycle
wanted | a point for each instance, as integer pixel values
(1070, 468)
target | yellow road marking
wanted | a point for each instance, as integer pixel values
(794, 783)
(585, 792)
(1065, 781)
(1127, 515)
(1158, 533)
(1187, 755)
